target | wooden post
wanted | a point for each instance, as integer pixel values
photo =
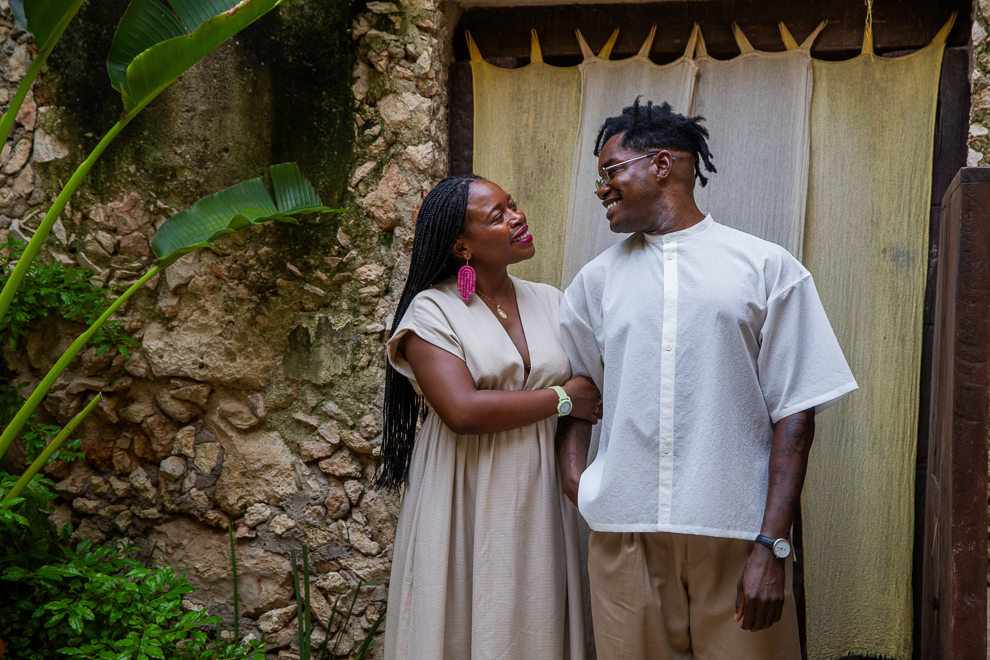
(954, 595)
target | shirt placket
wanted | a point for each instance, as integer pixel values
(668, 354)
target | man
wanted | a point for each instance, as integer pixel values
(713, 354)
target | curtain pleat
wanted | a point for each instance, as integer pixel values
(525, 121)
(866, 237)
(607, 86)
(757, 107)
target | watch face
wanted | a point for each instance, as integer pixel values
(781, 548)
(565, 408)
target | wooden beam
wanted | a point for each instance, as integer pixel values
(897, 25)
(954, 605)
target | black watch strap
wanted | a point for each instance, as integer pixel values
(765, 540)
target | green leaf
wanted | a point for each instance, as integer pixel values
(152, 47)
(148, 23)
(44, 19)
(235, 208)
(16, 573)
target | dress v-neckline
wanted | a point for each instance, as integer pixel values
(505, 332)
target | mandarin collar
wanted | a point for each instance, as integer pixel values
(682, 234)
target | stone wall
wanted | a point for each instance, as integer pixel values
(255, 398)
(979, 129)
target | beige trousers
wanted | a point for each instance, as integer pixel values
(662, 596)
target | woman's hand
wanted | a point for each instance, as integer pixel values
(585, 399)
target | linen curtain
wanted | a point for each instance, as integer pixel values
(866, 239)
(525, 121)
(757, 107)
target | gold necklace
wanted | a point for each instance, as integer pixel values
(498, 306)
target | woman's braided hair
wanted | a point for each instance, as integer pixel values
(649, 127)
(438, 224)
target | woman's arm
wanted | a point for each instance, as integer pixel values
(448, 386)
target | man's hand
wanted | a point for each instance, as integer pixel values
(760, 593)
(573, 438)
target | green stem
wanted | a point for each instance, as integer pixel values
(39, 393)
(42, 459)
(233, 569)
(7, 121)
(24, 263)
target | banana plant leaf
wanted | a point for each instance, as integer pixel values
(153, 46)
(235, 208)
(45, 20)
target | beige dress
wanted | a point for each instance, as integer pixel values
(486, 562)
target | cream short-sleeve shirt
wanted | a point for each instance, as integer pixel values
(699, 340)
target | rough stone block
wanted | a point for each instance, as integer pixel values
(311, 450)
(239, 414)
(173, 467)
(185, 442)
(203, 554)
(281, 523)
(181, 411)
(207, 455)
(257, 514)
(142, 484)
(274, 620)
(87, 506)
(337, 503)
(198, 393)
(342, 464)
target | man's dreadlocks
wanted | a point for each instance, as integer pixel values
(649, 127)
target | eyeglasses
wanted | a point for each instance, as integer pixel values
(607, 171)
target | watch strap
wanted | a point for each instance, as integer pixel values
(765, 540)
(561, 398)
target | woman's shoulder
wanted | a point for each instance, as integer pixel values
(440, 294)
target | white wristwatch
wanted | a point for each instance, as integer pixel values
(564, 405)
(781, 547)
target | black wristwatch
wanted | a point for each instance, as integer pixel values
(781, 547)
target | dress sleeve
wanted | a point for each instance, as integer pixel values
(426, 319)
(578, 335)
(801, 365)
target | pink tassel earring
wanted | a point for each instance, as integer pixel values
(466, 280)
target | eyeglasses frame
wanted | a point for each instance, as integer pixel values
(599, 182)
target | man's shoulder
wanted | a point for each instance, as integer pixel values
(598, 267)
(758, 251)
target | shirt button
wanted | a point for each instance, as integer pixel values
(668, 347)
(666, 239)
(666, 449)
(669, 257)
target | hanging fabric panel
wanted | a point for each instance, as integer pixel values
(757, 108)
(872, 129)
(525, 121)
(607, 87)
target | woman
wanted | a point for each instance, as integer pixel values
(486, 561)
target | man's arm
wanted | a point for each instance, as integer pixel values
(572, 440)
(760, 594)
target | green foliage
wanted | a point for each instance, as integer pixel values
(45, 20)
(91, 601)
(304, 622)
(152, 47)
(242, 205)
(35, 433)
(55, 291)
